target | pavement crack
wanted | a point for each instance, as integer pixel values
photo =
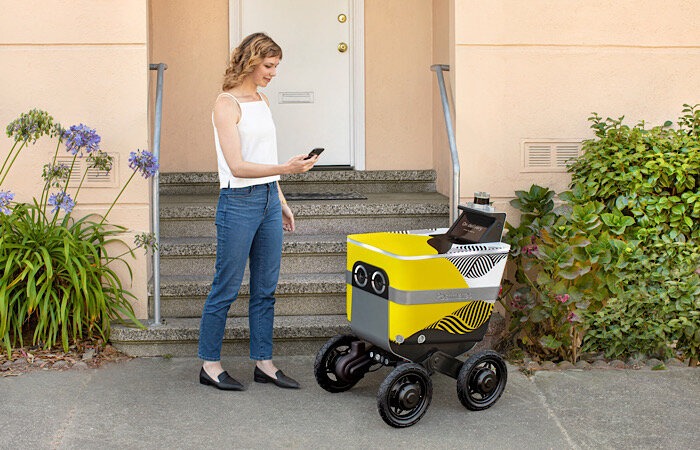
(60, 434)
(552, 415)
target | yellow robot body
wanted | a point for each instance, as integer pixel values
(405, 297)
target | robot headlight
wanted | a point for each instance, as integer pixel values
(360, 276)
(379, 284)
(370, 278)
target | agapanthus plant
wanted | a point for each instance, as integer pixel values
(61, 200)
(101, 161)
(30, 126)
(55, 174)
(24, 130)
(143, 162)
(5, 198)
(81, 138)
(58, 281)
(148, 241)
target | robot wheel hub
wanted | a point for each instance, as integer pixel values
(410, 396)
(486, 380)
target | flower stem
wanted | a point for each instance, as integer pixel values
(44, 198)
(55, 154)
(532, 285)
(11, 162)
(47, 186)
(70, 173)
(8, 157)
(117, 198)
(65, 189)
(75, 197)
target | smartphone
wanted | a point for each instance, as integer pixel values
(316, 151)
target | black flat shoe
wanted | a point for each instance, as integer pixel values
(225, 383)
(282, 380)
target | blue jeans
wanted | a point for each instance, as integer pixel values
(248, 226)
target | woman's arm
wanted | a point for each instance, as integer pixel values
(287, 214)
(226, 116)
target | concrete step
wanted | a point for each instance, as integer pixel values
(300, 254)
(375, 181)
(297, 294)
(293, 335)
(193, 215)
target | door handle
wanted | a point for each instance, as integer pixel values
(342, 47)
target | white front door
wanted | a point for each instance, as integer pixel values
(312, 96)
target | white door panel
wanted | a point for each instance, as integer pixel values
(311, 96)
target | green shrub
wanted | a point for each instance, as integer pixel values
(58, 281)
(649, 181)
(556, 262)
(623, 251)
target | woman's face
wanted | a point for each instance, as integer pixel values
(265, 71)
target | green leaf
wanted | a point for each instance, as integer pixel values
(573, 272)
(550, 342)
(678, 209)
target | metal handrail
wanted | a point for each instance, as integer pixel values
(155, 204)
(438, 69)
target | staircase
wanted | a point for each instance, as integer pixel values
(310, 304)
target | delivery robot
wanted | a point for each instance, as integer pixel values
(416, 300)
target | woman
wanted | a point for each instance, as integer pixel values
(251, 212)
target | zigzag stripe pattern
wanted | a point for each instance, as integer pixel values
(466, 319)
(476, 266)
(411, 231)
(469, 248)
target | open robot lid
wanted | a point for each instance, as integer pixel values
(473, 226)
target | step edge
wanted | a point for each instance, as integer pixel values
(236, 328)
(321, 176)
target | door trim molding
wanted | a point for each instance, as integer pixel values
(234, 24)
(357, 75)
(357, 85)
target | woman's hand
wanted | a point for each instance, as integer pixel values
(299, 163)
(287, 218)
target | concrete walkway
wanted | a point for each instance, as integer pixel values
(158, 403)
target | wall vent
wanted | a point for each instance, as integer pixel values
(549, 155)
(94, 178)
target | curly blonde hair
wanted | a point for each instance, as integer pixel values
(247, 56)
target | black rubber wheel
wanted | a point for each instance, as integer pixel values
(326, 359)
(404, 395)
(481, 380)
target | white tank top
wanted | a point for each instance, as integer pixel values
(258, 143)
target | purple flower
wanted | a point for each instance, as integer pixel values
(517, 302)
(61, 200)
(5, 199)
(562, 298)
(81, 137)
(517, 305)
(145, 162)
(530, 249)
(573, 317)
